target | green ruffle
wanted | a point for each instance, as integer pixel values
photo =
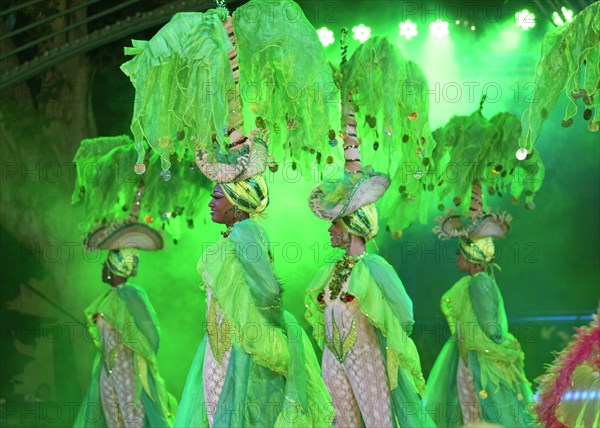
(384, 301)
(181, 79)
(192, 407)
(388, 92)
(500, 406)
(184, 83)
(442, 402)
(566, 51)
(286, 80)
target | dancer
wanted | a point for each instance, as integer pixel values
(359, 308)
(126, 383)
(255, 365)
(478, 375)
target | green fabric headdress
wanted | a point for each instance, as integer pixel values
(123, 262)
(199, 80)
(474, 150)
(114, 197)
(386, 95)
(475, 231)
(250, 195)
(566, 52)
(362, 222)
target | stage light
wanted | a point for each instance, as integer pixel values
(408, 29)
(439, 29)
(525, 19)
(325, 36)
(473, 28)
(567, 13)
(557, 19)
(361, 33)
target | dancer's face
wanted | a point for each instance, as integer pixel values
(339, 235)
(221, 210)
(461, 262)
(105, 274)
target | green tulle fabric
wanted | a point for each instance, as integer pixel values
(285, 79)
(183, 82)
(493, 355)
(128, 309)
(272, 362)
(474, 149)
(389, 95)
(383, 299)
(106, 185)
(569, 63)
(181, 79)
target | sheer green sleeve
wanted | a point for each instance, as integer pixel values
(484, 298)
(143, 313)
(252, 250)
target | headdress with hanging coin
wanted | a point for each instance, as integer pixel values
(476, 149)
(127, 234)
(568, 67)
(350, 199)
(124, 239)
(387, 94)
(107, 188)
(176, 108)
(239, 167)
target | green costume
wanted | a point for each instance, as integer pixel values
(126, 388)
(270, 374)
(492, 384)
(359, 308)
(128, 316)
(479, 373)
(381, 298)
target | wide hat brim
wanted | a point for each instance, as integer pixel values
(367, 190)
(490, 225)
(128, 235)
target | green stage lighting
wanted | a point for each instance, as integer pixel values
(408, 29)
(567, 14)
(525, 19)
(439, 29)
(325, 36)
(361, 33)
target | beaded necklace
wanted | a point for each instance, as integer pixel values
(341, 273)
(227, 231)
